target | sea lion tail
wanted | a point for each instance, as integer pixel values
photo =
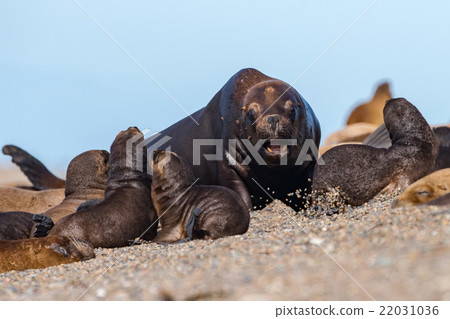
(34, 170)
(43, 225)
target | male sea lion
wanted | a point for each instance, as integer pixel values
(37, 173)
(250, 107)
(127, 211)
(372, 111)
(425, 189)
(360, 172)
(212, 211)
(15, 225)
(35, 202)
(42, 252)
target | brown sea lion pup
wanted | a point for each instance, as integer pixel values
(86, 180)
(425, 189)
(188, 211)
(360, 172)
(36, 172)
(372, 111)
(35, 202)
(352, 133)
(15, 225)
(42, 252)
(127, 211)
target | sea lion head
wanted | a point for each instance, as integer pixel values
(273, 110)
(425, 189)
(88, 170)
(128, 153)
(170, 169)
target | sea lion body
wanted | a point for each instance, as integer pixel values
(425, 189)
(372, 111)
(36, 172)
(126, 212)
(443, 200)
(35, 202)
(360, 172)
(221, 211)
(250, 106)
(42, 252)
(15, 225)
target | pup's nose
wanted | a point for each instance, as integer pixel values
(273, 121)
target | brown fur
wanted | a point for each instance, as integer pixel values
(35, 202)
(222, 211)
(127, 211)
(425, 189)
(372, 111)
(42, 252)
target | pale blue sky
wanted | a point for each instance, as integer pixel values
(65, 87)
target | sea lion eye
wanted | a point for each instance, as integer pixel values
(423, 193)
(251, 115)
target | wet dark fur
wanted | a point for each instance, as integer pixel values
(127, 211)
(230, 115)
(361, 171)
(221, 211)
(36, 172)
(15, 225)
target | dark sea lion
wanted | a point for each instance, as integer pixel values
(212, 211)
(425, 189)
(360, 172)
(250, 106)
(86, 180)
(127, 211)
(35, 202)
(372, 111)
(15, 225)
(380, 139)
(42, 252)
(37, 173)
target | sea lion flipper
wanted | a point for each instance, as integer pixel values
(43, 225)
(379, 138)
(35, 171)
(191, 223)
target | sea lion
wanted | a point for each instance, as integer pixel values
(380, 138)
(35, 202)
(15, 225)
(372, 111)
(360, 172)
(36, 172)
(425, 189)
(212, 211)
(352, 133)
(251, 107)
(86, 180)
(443, 200)
(127, 211)
(42, 252)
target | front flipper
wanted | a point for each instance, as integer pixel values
(43, 225)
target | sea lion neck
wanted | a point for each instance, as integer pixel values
(87, 193)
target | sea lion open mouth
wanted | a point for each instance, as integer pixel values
(275, 149)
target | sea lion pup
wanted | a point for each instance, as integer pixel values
(15, 225)
(35, 202)
(86, 180)
(42, 252)
(265, 127)
(193, 212)
(372, 111)
(36, 172)
(127, 211)
(360, 172)
(425, 189)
